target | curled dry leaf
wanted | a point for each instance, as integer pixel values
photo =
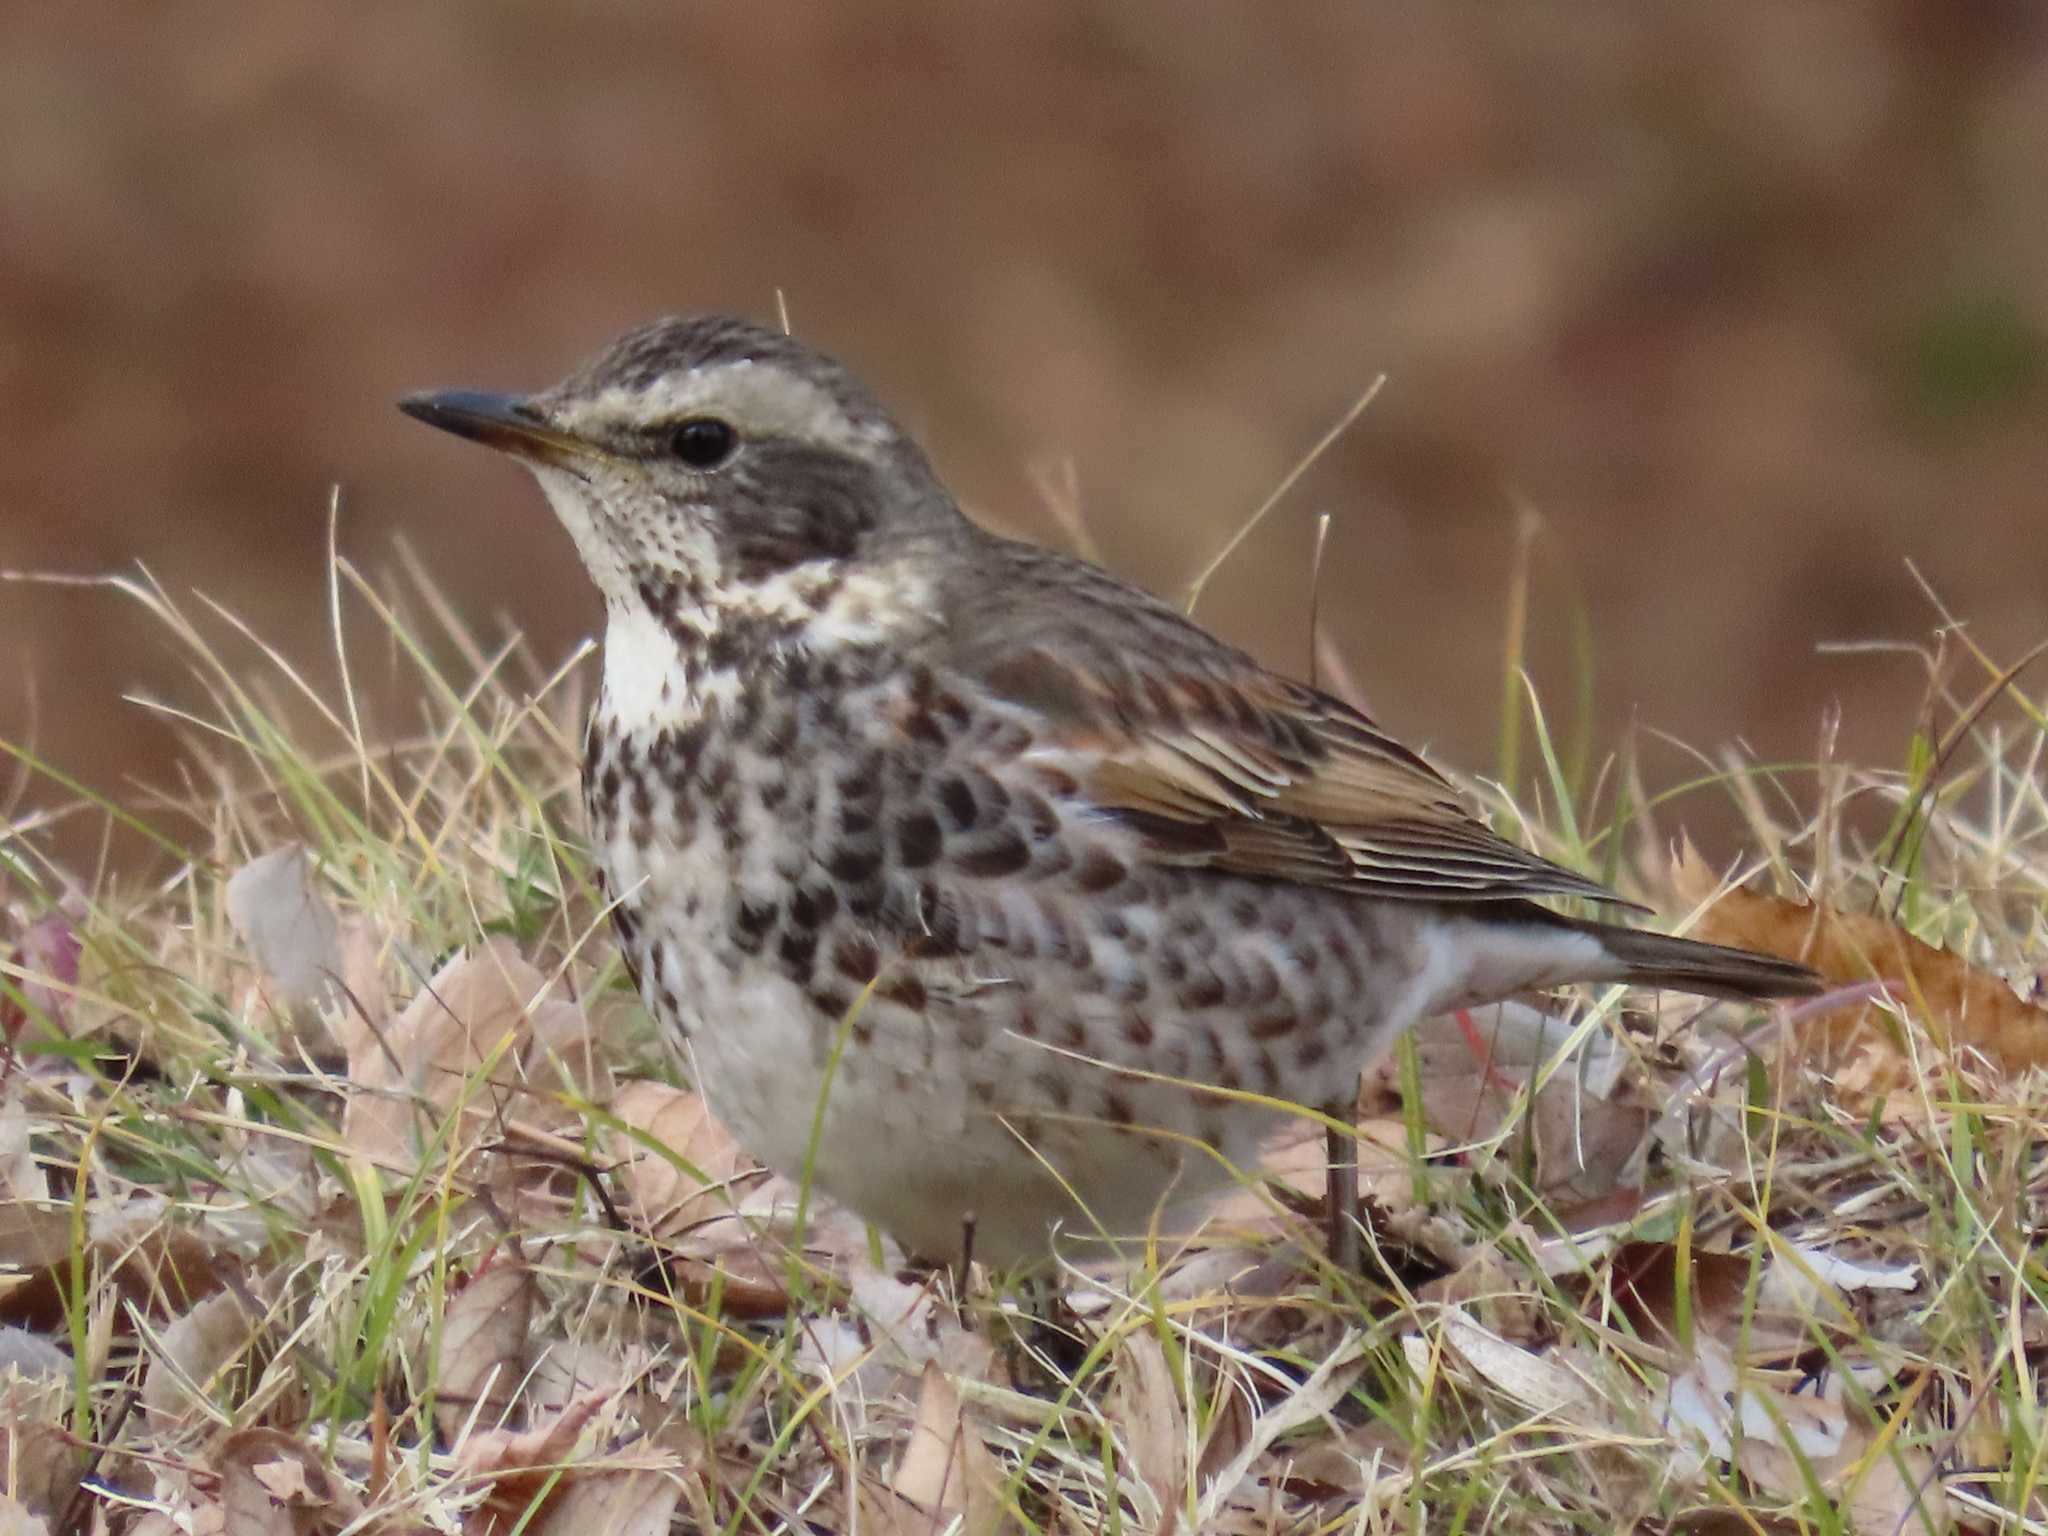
(285, 920)
(1962, 1006)
(486, 1331)
(273, 1484)
(523, 1469)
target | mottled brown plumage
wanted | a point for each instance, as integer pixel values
(1084, 888)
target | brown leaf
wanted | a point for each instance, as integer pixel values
(613, 1501)
(1148, 1410)
(45, 963)
(521, 1468)
(408, 1079)
(21, 1177)
(286, 922)
(484, 1337)
(663, 1196)
(39, 1464)
(190, 1353)
(1960, 1005)
(274, 1485)
(1583, 1127)
(1341, 1466)
(946, 1470)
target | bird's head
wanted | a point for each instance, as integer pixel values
(707, 463)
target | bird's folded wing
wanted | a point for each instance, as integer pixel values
(1233, 768)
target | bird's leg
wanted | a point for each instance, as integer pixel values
(963, 1274)
(1341, 1199)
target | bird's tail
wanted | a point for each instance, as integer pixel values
(1710, 970)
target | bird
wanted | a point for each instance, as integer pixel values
(994, 894)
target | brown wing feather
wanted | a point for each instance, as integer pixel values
(1224, 765)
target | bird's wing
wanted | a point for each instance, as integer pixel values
(1219, 763)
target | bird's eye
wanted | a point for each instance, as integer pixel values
(703, 442)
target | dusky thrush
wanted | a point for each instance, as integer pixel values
(1068, 897)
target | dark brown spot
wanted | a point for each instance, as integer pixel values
(1000, 853)
(1100, 871)
(812, 905)
(856, 959)
(918, 839)
(798, 948)
(750, 924)
(906, 991)
(1137, 1031)
(855, 863)
(1263, 984)
(1205, 991)
(1116, 1109)
(956, 799)
(1273, 1025)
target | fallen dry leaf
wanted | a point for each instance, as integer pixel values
(1155, 1430)
(21, 1177)
(946, 1470)
(273, 1484)
(285, 920)
(43, 967)
(39, 1464)
(1536, 1381)
(662, 1196)
(1960, 1005)
(613, 1501)
(189, 1352)
(1585, 1123)
(485, 1336)
(407, 1080)
(523, 1468)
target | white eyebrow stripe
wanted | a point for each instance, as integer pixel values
(762, 400)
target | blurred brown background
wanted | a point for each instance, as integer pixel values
(1748, 300)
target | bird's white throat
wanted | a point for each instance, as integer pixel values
(647, 678)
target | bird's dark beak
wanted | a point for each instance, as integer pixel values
(505, 422)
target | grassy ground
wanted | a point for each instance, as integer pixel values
(350, 1189)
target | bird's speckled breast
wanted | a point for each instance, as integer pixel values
(846, 842)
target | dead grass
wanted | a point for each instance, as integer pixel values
(350, 1189)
